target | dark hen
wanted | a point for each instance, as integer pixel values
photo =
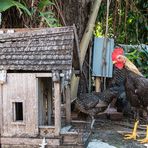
(87, 103)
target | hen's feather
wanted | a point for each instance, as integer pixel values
(136, 89)
(86, 103)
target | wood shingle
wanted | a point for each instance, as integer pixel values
(39, 50)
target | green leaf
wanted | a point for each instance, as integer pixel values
(6, 4)
(139, 62)
(44, 3)
(48, 13)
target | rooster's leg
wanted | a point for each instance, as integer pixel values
(133, 135)
(137, 116)
(145, 140)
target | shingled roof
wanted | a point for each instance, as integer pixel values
(39, 50)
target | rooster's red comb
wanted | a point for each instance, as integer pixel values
(117, 51)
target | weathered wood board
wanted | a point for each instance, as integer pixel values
(20, 87)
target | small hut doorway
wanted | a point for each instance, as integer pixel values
(45, 101)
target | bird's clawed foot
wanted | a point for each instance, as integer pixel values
(134, 134)
(145, 140)
(131, 136)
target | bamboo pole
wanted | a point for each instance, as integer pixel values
(98, 84)
(84, 44)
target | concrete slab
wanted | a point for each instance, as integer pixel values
(99, 144)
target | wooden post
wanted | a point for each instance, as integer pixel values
(40, 102)
(98, 84)
(68, 104)
(49, 101)
(1, 109)
(57, 108)
(57, 102)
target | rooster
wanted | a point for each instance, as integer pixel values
(136, 87)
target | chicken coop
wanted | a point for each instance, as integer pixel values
(35, 72)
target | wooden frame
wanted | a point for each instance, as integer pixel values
(57, 105)
(14, 113)
(1, 109)
(68, 104)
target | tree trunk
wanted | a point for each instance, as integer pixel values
(77, 12)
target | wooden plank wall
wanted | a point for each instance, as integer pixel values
(20, 87)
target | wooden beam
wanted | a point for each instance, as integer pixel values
(40, 102)
(57, 105)
(28, 141)
(1, 110)
(84, 44)
(49, 101)
(40, 75)
(68, 104)
(98, 84)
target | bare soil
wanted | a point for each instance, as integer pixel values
(112, 132)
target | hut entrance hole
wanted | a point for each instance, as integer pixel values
(45, 102)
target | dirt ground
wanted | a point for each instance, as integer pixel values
(112, 132)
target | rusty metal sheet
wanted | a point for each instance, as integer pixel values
(97, 67)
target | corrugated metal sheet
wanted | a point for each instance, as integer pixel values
(127, 48)
(37, 50)
(100, 69)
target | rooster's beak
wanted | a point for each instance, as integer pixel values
(114, 62)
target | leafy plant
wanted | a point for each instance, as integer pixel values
(140, 58)
(127, 25)
(44, 3)
(6, 4)
(41, 13)
(127, 21)
(49, 18)
(47, 15)
(98, 30)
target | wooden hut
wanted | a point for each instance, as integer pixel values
(35, 72)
